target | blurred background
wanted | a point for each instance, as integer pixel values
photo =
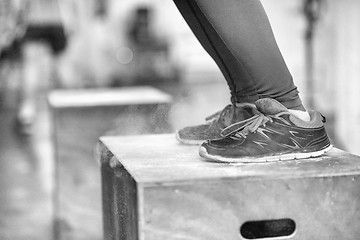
(68, 45)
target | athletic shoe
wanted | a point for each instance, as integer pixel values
(273, 134)
(196, 135)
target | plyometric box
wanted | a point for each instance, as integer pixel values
(80, 117)
(157, 189)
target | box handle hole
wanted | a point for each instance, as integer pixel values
(268, 228)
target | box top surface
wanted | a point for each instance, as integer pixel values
(160, 159)
(107, 97)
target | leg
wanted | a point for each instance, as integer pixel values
(233, 70)
(238, 35)
(31, 78)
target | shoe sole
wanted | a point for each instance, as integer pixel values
(188, 141)
(282, 157)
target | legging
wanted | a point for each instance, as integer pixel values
(238, 36)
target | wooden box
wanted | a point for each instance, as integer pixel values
(80, 117)
(157, 189)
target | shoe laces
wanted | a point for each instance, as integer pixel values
(243, 128)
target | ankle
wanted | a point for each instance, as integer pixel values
(245, 104)
(302, 114)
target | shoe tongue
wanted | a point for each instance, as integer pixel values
(270, 106)
(238, 113)
(228, 114)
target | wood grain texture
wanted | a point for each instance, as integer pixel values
(322, 208)
(181, 197)
(161, 159)
(120, 198)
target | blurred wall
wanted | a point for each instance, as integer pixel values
(43, 12)
(345, 59)
(94, 41)
(102, 37)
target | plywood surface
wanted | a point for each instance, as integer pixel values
(160, 159)
(179, 196)
(322, 208)
(107, 97)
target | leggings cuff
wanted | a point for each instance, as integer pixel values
(295, 104)
(245, 98)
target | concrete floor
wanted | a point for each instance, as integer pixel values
(25, 177)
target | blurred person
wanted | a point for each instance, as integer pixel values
(44, 40)
(12, 28)
(266, 120)
(151, 62)
(93, 39)
(11, 22)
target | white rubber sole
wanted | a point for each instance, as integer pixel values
(188, 142)
(282, 157)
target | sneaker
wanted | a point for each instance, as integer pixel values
(196, 135)
(273, 134)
